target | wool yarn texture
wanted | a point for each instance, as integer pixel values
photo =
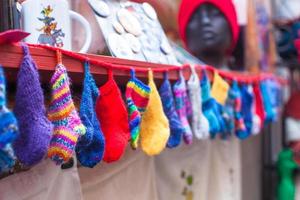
(63, 115)
(247, 101)
(113, 117)
(90, 146)
(137, 98)
(167, 99)
(259, 105)
(239, 124)
(219, 90)
(209, 106)
(155, 130)
(181, 105)
(7, 158)
(8, 123)
(266, 97)
(35, 129)
(200, 125)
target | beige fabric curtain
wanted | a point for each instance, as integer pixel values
(46, 181)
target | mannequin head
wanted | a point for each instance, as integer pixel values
(208, 33)
(209, 29)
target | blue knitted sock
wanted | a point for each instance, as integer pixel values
(90, 146)
(175, 124)
(8, 122)
(209, 106)
(247, 101)
(7, 158)
(266, 95)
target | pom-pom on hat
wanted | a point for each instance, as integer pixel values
(188, 7)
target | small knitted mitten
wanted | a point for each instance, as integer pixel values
(180, 94)
(266, 96)
(219, 90)
(63, 115)
(137, 99)
(8, 122)
(34, 127)
(155, 130)
(200, 124)
(209, 106)
(240, 128)
(259, 105)
(90, 146)
(247, 101)
(113, 117)
(167, 100)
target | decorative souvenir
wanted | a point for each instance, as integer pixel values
(129, 22)
(100, 7)
(119, 47)
(149, 10)
(49, 22)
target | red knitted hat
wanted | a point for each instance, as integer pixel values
(188, 7)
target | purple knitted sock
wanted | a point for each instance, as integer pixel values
(35, 129)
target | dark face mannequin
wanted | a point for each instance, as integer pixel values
(209, 35)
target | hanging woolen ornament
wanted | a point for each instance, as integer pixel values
(112, 114)
(182, 107)
(137, 99)
(8, 122)
(175, 124)
(90, 146)
(63, 115)
(34, 127)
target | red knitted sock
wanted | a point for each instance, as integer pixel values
(260, 111)
(113, 117)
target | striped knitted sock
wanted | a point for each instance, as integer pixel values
(63, 115)
(183, 107)
(137, 99)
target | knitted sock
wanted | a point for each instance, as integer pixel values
(8, 122)
(200, 124)
(180, 94)
(167, 99)
(155, 130)
(208, 106)
(259, 105)
(34, 127)
(7, 158)
(219, 90)
(256, 123)
(90, 146)
(62, 113)
(240, 128)
(137, 99)
(266, 96)
(228, 111)
(112, 114)
(247, 101)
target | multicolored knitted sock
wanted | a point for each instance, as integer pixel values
(247, 101)
(181, 104)
(8, 122)
(167, 99)
(259, 105)
(209, 106)
(200, 124)
(90, 146)
(113, 116)
(155, 130)
(35, 129)
(62, 113)
(240, 128)
(137, 99)
(256, 123)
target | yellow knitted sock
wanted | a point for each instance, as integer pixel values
(155, 129)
